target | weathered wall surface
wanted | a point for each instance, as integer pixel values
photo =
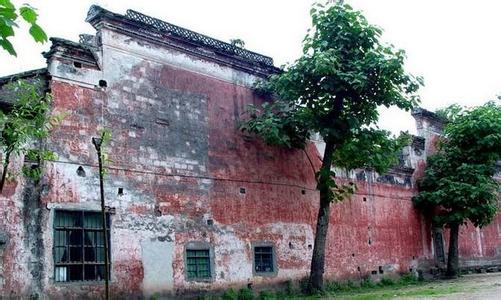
(181, 172)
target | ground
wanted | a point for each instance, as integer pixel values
(477, 286)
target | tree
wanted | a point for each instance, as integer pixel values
(458, 184)
(26, 121)
(335, 88)
(100, 144)
(9, 14)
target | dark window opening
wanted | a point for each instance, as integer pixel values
(79, 246)
(242, 190)
(80, 171)
(120, 191)
(103, 83)
(263, 259)
(381, 270)
(303, 192)
(77, 64)
(198, 264)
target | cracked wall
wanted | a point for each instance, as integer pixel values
(181, 172)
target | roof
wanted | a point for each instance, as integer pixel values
(155, 29)
(23, 75)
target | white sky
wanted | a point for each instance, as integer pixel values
(454, 44)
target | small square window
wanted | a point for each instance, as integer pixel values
(198, 264)
(264, 260)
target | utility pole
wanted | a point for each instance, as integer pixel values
(98, 143)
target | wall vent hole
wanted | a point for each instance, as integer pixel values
(303, 192)
(309, 246)
(353, 254)
(370, 242)
(381, 270)
(365, 199)
(242, 190)
(77, 64)
(80, 171)
(374, 272)
(103, 83)
(291, 246)
(358, 268)
(210, 222)
(120, 191)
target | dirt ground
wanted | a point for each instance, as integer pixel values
(475, 286)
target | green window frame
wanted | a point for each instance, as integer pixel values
(78, 249)
(198, 264)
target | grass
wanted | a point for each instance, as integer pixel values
(406, 286)
(346, 288)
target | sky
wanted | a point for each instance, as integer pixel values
(454, 44)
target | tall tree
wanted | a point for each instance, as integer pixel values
(335, 89)
(458, 184)
(9, 15)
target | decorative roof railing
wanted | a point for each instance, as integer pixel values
(198, 38)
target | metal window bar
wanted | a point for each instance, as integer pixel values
(263, 259)
(221, 46)
(198, 264)
(78, 246)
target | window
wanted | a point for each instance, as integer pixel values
(198, 264)
(79, 246)
(264, 260)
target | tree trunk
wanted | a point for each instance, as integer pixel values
(4, 173)
(316, 280)
(453, 256)
(97, 144)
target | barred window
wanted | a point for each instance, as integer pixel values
(263, 259)
(79, 246)
(198, 264)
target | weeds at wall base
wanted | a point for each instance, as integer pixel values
(331, 287)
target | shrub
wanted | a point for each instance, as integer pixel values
(386, 282)
(229, 294)
(245, 294)
(408, 278)
(367, 283)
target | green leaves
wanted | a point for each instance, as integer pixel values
(371, 149)
(8, 18)
(26, 122)
(459, 178)
(335, 89)
(28, 13)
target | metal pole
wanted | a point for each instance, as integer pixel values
(97, 144)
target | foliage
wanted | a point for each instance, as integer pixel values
(230, 294)
(237, 43)
(386, 282)
(100, 144)
(335, 89)
(26, 121)
(459, 177)
(245, 294)
(371, 149)
(9, 15)
(408, 279)
(449, 113)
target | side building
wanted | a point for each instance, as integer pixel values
(193, 203)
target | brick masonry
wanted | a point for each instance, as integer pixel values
(188, 175)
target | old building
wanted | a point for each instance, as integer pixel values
(193, 203)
